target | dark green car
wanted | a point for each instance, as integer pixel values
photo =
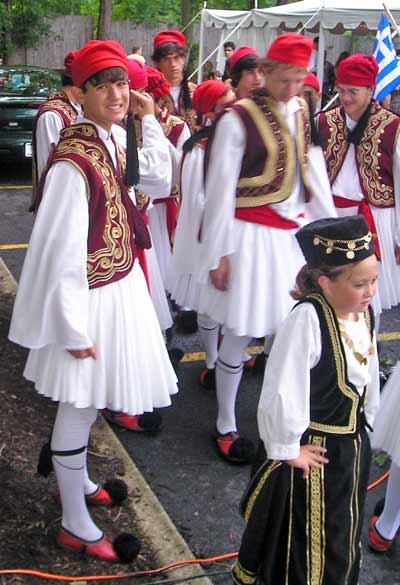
(22, 89)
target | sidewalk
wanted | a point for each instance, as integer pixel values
(25, 421)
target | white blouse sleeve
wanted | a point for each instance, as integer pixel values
(372, 399)
(284, 406)
(48, 130)
(155, 164)
(52, 297)
(220, 190)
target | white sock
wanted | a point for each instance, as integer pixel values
(388, 522)
(229, 371)
(209, 330)
(69, 440)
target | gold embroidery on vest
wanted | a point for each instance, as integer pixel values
(289, 537)
(281, 153)
(368, 155)
(266, 472)
(57, 101)
(339, 359)
(240, 575)
(315, 523)
(116, 255)
(367, 152)
(337, 146)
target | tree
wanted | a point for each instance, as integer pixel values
(105, 16)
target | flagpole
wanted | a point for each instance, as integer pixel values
(392, 20)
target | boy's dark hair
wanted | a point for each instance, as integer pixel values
(229, 45)
(166, 49)
(246, 63)
(112, 74)
(66, 80)
(135, 48)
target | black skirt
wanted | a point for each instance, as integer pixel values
(306, 532)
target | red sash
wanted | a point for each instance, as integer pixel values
(171, 209)
(141, 254)
(265, 215)
(365, 210)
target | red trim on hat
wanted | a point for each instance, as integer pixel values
(311, 80)
(291, 49)
(96, 56)
(206, 95)
(359, 70)
(240, 53)
(169, 36)
(137, 74)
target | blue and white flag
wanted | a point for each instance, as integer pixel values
(389, 65)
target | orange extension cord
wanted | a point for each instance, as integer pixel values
(143, 573)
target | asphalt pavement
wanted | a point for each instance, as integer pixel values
(199, 491)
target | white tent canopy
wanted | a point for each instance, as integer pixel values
(259, 27)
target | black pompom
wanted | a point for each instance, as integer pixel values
(380, 504)
(117, 490)
(127, 546)
(242, 450)
(150, 421)
(45, 463)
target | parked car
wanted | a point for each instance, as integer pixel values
(22, 89)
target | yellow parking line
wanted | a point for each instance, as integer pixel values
(13, 246)
(15, 186)
(390, 336)
(199, 356)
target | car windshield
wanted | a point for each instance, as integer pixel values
(28, 82)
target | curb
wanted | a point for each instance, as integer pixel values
(154, 525)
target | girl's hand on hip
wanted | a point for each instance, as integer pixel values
(310, 456)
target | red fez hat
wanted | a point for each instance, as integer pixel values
(240, 53)
(96, 56)
(291, 49)
(137, 73)
(358, 69)
(157, 83)
(169, 36)
(206, 95)
(311, 80)
(69, 57)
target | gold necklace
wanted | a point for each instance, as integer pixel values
(361, 358)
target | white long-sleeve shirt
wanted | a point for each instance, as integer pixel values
(284, 406)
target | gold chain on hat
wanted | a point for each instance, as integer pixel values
(349, 247)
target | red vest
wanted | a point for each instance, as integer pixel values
(374, 155)
(115, 225)
(58, 103)
(268, 167)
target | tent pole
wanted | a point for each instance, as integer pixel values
(202, 62)
(201, 47)
(321, 56)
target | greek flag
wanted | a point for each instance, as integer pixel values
(389, 65)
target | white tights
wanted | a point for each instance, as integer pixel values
(68, 442)
(229, 371)
(388, 522)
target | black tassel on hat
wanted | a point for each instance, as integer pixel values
(132, 158)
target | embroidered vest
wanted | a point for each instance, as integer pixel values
(335, 404)
(374, 155)
(115, 225)
(58, 103)
(189, 116)
(268, 168)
